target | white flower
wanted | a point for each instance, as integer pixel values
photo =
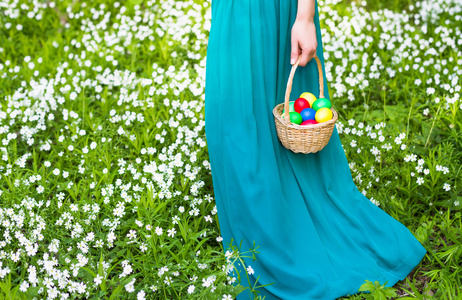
(40, 189)
(209, 281)
(375, 201)
(171, 232)
(15, 256)
(82, 246)
(162, 270)
(446, 187)
(129, 286)
(24, 286)
(132, 234)
(141, 295)
(375, 151)
(159, 230)
(191, 289)
(98, 279)
(445, 170)
(127, 269)
(420, 180)
(250, 270)
(168, 280)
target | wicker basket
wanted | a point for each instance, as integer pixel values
(303, 138)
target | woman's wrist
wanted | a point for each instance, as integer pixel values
(306, 10)
(305, 17)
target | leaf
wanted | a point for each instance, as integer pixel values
(238, 289)
(121, 252)
(101, 273)
(379, 295)
(445, 203)
(390, 292)
(159, 207)
(396, 113)
(89, 271)
(116, 291)
(413, 288)
(421, 234)
(368, 286)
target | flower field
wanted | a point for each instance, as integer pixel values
(105, 184)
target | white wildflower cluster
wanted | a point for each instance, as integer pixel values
(350, 68)
(60, 232)
(378, 140)
(374, 201)
(423, 171)
(89, 148)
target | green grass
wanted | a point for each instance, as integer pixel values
(102, 144)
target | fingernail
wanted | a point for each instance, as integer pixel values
(292, 61)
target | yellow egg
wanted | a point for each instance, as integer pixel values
(308, 96)
(323, 114)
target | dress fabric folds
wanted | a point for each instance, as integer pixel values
(319, 236)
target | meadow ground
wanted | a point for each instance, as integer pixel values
(105, 183)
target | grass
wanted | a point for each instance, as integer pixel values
(105, 183)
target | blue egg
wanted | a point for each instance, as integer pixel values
(308, 114)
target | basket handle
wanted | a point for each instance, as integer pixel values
(289, 85)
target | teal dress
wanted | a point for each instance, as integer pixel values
(319, 236)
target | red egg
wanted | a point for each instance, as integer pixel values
(300, 104)
(309, 122)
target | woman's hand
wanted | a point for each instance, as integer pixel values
(303, 38)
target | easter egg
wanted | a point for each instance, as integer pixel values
(310, 97)
(308, 113)
(300, 104)
(323, 114)
(309, 122)
(291, 106)
(321, 102)
(295, 117)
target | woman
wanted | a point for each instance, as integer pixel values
(319, 236)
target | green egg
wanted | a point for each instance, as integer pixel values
(320, 103)
(295, 117)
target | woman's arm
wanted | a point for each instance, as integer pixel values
(303, 36)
